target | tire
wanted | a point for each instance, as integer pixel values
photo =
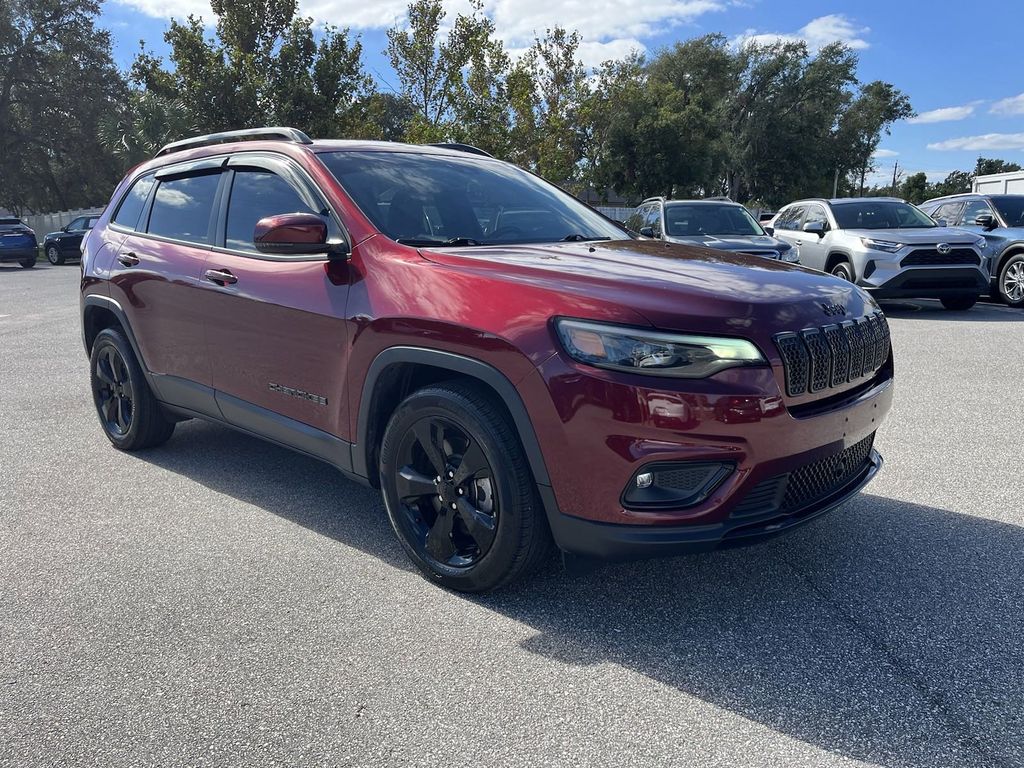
(457, 433)
(1011, 281)
(959, 303)
(53, 255)
(130, 415)
(843, 271)
(27, 263)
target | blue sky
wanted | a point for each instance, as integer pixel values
(959, 63)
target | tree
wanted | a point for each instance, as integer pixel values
(56, 80)
(988, 165)
(147, 122)
(860, 128)
(915, 188)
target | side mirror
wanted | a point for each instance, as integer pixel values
(647, 231)
(768, 229)
(940, 222)
(986, 221)
(294, 234)
(65, 228)
(815, 227)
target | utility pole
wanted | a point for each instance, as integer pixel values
(835, 185)
(895, 168)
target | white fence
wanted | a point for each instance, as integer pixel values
(41, 223)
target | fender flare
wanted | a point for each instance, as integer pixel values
(111, 305)
(467, 366)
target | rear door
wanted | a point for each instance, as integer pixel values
(155, 277)
(276, 331)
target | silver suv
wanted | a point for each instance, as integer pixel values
(887, 246)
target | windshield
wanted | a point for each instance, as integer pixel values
(707, 219)
(1011, 208)
(427, 199)
(880, 214)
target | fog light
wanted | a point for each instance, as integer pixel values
(674, 485)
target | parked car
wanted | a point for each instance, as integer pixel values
(715, 223)
(504, 385)
(886, 246)
(1000, 220)
(67, 242)
(17, 243)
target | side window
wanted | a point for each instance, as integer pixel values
(972, 210)
(77, 225)
(256, 194)
(636, 221)
(182, 208)
(947, 211)
(653, 219)
(790, 218)
(132, 204)
(815, 213)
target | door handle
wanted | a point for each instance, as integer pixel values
(220, 277)
(128, 259)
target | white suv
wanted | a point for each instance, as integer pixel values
(887, 246)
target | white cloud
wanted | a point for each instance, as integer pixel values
(945, 114)
(885, 153)
(1013, 105)
(987, 141)
(817, 33)
(609, 28)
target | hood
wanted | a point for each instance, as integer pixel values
(732, 242)
(676, 287)
(913, 236)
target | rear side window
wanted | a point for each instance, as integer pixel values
(790, 218)
(653, 219)
(256, 194)
(131, 206)
(182, 208)
(947, 212)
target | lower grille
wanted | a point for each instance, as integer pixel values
(931, 256)
(763, 254)
(816, 359)
(789, 493)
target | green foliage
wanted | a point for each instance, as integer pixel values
(56, 80)
(146, 122)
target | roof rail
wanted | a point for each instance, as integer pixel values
(463, 148)
(283, 134)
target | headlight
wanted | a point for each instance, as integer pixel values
(653, 353)
(880, 245)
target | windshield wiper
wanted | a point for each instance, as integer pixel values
(428, 242)
(575, 237)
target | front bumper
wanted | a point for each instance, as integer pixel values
(633, 542)
(928, 283)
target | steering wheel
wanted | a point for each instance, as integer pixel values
(506, 232)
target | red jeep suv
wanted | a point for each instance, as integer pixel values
(511, 368)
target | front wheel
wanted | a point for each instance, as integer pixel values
(458, 490)
(843, 271)
(53, 255)
(1011, 281)
(130, 415)
(959, 303)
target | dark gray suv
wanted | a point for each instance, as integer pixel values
(1000, 220)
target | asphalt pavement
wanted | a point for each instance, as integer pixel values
(221, 601)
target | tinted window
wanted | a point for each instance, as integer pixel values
(684, 220)
(131, 206)
(972, 210)
(256, 194)
(1012, 209)
(880, 214)
(634, 222)
(790, 218)
(653, 219)
(431, 198)
(77, 224)
(181, 208)
(815, 213)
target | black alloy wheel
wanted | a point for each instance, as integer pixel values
(446, 491)
(113, 391)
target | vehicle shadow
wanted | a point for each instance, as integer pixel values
(922, 309)
(888, 632)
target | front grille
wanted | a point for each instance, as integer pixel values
(792, 492)
(817, 359)
(931, 256)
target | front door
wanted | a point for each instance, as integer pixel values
(276, 332)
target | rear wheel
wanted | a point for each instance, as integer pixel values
(27, 263)
(959, 303)
(843, 270)
(458, 490)
(130, 415)
(53, 255)
(1011, 281)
